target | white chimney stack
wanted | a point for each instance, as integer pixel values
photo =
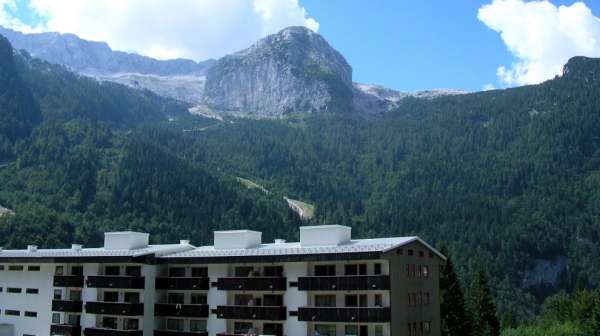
(76, 247)
(237, 239)
(325, 235)
(32, 248)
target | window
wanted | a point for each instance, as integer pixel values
(421, 254)
(419, 270)
(1, 290)
(273, 300)
(325, 300)
(242, 327)
(198, 298)
(112, 270)
(133, 270)
(410, 253)
(243, 300)
(75, 295)
(377, 269)
(244, 271)
(58, 270)
(427, 327)
(426, 271)
(176, 298)
(131, 297)
(13, 290)
(430, 254)
(272, 329)
(74, 320)
(350, 269)
(199, 272)
(324, 270)
(33, 268)
(351, 330)
(427, 299)
(326, 329)
(400, 251)
(175, 324)
(378, 300)
(177, 272)
(109, 322)
(362, 269)
(12, 312)
(55, 318)
(273, 271)
(131, 324)
(57, 294)
(351, 301)
(363, 300)
(15, 267)
(111, 296)
(1, 267)
(32, 291)
(77, 270)
(30, 314)
(378, 330)
(197, 325)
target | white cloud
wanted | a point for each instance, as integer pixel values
(541, 36)
(196, 29)
(488, 87)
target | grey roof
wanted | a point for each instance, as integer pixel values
(287, 249)
(157, 250)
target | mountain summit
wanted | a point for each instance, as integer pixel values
(293, 71)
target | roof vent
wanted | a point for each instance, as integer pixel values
(279, 241)
(237, 239)
(76, 247)
(125, 240)
(31, 248)
(325, 235)
(184, 242)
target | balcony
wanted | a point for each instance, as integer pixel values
(252, 283)
(111, 332)
(64, 330)
(183, 283)
(115, 308)
(179, 333)
(264, 313)
(67, 306)
(344, 283)
(183, 310)
(358, 314)
(125, 282)
(68, 281)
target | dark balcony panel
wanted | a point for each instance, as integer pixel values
(115, 308)
(68, 281)
(252, 284)
(64, 330)
(179, 333)
(344, 283)
(362, 314)
(127, 282)
(111, 332)
(67, 306)
(183, 283)
(188, 310)
(252, 313)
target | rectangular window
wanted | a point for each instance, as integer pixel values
(77, 270)
(1, 267)
(112, 270)
(175, 324)
(410, 253)
(244, 271)
(13, 290)
(57, 294)
(363, 300)
(362, 269)
(400, 251)
(30, 314)
(1, 290)
(131, 297)
(59, 270)
(177, 272)
(55, 318)
(15, 267)
(273, 271)
(33, 268)
(32, 291)
(419, 271)
(10, 312)
(351, 301)
(109, 322)
(273, 300)
(197, 298)
(425, 271)
(200, 272)
(197, 325)
(351, 330)
(75, 295)
(242, 327)
(421, 254)
(378, 300)
(377, 269)
(133, 270)
(427, 327)
(326, 329)
(324, 270)
(74, 320)
(350, 269)
(176, 298)
(378, 330)
(131, 324)
(111, 296)
(243, 300)
(325, 300)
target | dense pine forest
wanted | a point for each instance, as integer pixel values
(506, 179)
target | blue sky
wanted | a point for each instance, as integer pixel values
(405, 45)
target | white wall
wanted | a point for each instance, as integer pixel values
(147, 322)
(89, 294)
(215, 298)
(294, 298)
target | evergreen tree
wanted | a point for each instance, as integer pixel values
(455, 319)
(595, 321)
(482, 307)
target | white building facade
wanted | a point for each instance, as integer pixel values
(326, 284)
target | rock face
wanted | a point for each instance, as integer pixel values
(97, 57)
(293, 71)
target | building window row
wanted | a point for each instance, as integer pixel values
(349, 270)
(419, 299)
(411, 253)
(349, 329)
(417, 271)
(32, 268)
(16, 290)
(419, 328)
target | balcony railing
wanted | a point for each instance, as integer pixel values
(183, 310)
(115, 308)
(126, 282)
(344, 283)
(67, 306)
(64, 330)
(358, 314)
(183, 283)
(252, 283)
(68, 281)
(179, 333)
(264, 313)
(111, 332)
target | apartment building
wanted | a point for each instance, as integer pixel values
(325, 284)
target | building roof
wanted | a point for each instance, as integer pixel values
(156, 250)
